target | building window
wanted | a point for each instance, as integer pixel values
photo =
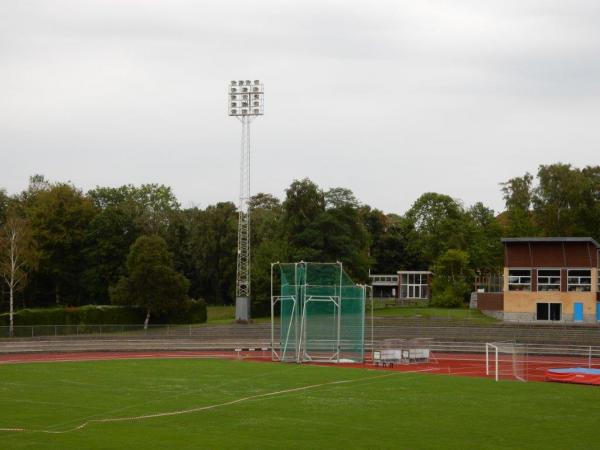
(414, 285)
(548, 280)
(519, 280)
(548, 311)
(579, 280)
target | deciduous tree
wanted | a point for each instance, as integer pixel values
(17, 256)
(60, 215)
(451, 274)
(518, 198)
(438, 224)
(151, 282)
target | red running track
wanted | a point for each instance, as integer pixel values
(457, 364)
(533, 368)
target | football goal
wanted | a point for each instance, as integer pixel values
(506, 360)
(322, 313)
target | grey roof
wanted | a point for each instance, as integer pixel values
(551, 239)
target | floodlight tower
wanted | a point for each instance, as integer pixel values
(245, 103)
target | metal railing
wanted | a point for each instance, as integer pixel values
(589, 353)
(33, 331)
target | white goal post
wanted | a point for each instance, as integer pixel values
(507, 359)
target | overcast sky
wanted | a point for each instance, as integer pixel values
(390, 99)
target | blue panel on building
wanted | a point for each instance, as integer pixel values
(578, 312)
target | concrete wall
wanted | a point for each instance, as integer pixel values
(495, 314)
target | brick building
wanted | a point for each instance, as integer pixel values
(547, 280)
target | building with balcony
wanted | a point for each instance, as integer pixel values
(404, 286)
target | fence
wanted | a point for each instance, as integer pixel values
(33, 331)
(441, 329)
(489, 283)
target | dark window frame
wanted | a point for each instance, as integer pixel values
(579, 280)
(548, 311)
(549, 280)
(519, 280)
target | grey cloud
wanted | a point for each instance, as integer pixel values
(388, 98)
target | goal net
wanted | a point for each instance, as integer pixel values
(506, 360)
(322, 313)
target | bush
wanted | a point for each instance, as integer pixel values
(449, 288)
(449, 294)
(261, 308)
(194, 311)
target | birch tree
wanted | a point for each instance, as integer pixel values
(17, 256)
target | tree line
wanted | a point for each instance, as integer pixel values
(62, 246)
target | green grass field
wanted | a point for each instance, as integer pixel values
(472, 315)
(373, 409)
(226, 314)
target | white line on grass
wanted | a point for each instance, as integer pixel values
(198, 409)
(183, 393)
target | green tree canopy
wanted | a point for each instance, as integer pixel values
(84, 239)
(451, 270)
(324, 231)
(268, 245)
(304, 201)
(340, 197)
(59, 215)
(559, 200)
(438, 223)
(518, 198)
(483, 239)
(109, 236)
(150, 205)
(213, 249)
(152, 281)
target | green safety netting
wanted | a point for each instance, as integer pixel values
(322, 313)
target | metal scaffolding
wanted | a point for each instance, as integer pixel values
(243, 256)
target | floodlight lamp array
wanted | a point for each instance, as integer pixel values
(246, 98)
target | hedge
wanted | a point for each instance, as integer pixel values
(193, 312)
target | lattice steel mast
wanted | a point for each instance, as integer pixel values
(245, 103)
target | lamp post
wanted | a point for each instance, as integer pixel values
(246, 102)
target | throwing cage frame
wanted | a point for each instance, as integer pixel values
(322, 313)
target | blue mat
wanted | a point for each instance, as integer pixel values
(582, 370)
